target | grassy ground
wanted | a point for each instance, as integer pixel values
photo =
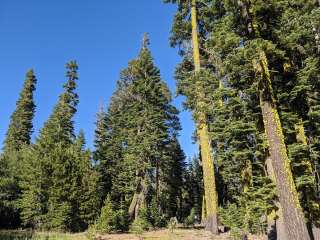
(25, 235)
(177, 234)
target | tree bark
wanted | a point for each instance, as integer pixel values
(316, 232)
(202, 129)
(296, 228)
(203, 211)
(276, 222)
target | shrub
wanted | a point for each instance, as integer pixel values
(122, 220)
(155, 217)
(173, 222)
(106, 223)
(190, 220)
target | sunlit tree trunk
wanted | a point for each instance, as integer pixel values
(211, 198)
(275, 219)
(203, 210)
(288, 197)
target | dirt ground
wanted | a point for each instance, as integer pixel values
(178, 234)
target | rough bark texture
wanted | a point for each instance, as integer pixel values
(316, 233)
(202, 129)
(296, 228)
(203, 211)
(275, 222)
(138, 199)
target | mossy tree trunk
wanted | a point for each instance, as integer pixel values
(275, 219)
(211, 198)
(288, 197)
(203, 211)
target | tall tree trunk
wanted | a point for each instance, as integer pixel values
(275, 222)
(302, 139)
(292, 212)
(202, 129)
(203, 211)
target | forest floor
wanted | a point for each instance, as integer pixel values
(177, 234)
(164, 234)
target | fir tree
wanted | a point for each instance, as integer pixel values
(142, 152)
(51, 182)
(21, 127)
(196, 94)
(87, 200)
(100, 154)
(18, 136)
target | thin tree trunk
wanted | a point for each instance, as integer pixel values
(292, 212)
(202, 129)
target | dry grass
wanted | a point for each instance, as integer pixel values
(165, 234)
(26, 235)
(177, 234)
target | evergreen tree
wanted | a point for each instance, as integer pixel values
(100, 154)
(143, 157)
(21, 127)
(18, 136)
(87, 201)
(297, 97)
(195, 91)
(193, 198)
(251, 64)
(246, 49)
(49, 176)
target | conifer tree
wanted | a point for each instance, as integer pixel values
(143, 157)
(87, 200)
(21, 127)
(255, 31)
(18, 136)
(100, 154)
(51, 183)
(198, 94)
(296, 94)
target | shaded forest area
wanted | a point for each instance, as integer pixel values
(250, 74)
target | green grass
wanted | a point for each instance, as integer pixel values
(27, 235)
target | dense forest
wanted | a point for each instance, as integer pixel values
(250, 74)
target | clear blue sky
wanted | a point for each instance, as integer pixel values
(102, 35)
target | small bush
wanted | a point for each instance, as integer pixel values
(92, 232)
(190, 220)
(173, 222)
(157, 219)
(122, 220)
(106, 223)
(139, 226)
(236, 234)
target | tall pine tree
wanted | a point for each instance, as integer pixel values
(18, 137)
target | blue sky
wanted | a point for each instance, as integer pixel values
(102, 35)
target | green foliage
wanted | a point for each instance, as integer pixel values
(137, 150)
(107, 219)
(192, 190)
(122, 219)
(232, 216)
(156, 219)
(21, 127)
(190, 220)
(138, 226)
(18, 137)
(58, 181)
